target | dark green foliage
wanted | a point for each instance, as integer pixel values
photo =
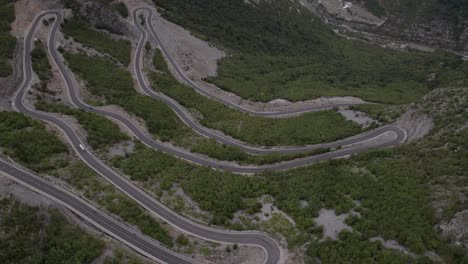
(355, 248)
(309, 128)
(30, 236)
(101, 132)
(121, 8)
(40, 64)
(7, 41)
(280, 50)
(159, 62)
(407, 12)
(375, 7)
(84, 179)
(27, 141)
(83, 33)
(182, 240)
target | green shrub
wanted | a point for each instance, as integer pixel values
(7, 42)
(30, 235)
(83, 33)
(101, 132)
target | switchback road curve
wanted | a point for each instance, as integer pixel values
(203, 160)
(259, 239)
(187, 118)
(200, 90)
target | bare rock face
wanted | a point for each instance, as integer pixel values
(102, 17)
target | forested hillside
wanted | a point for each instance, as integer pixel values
(7, 42)
(280, 50)
(455, 12)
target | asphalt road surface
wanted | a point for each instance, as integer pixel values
(200, 159)
(224, 236)
(144, 245)
(192, 84)
(187, 118)
(250, 238)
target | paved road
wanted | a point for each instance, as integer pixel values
(251, 238)
(186, 117)
(224, 236)
(203, 160)
(202, 91)
(144, 245)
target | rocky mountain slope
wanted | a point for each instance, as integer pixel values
(431, 23)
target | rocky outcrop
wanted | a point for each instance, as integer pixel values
(99, 14)
(435, 34)
(102, 17)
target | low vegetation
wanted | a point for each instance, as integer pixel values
(28, 142)
(40, 64)
(34, 235)
(355, 248)
(408, 12)
(278, 49)
(309, 128)
(7, 41)
(121, 8)
(101, 132)
(382, 113)
(391, 189)
(102, 42)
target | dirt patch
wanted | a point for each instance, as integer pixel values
(348, 11)
(198, 59)
(243, 254)
(332, 224)
(457, 228)
(26, 10)
(391, 244)
(122, 149)
(416, 126)
(357, 117)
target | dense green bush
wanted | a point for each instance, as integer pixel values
(83, 33)
(121, 8)
(40, 64)
(280, 50)
(30, 235)
(7, 41)
(101, 132)
(355, 248)
(27, 141)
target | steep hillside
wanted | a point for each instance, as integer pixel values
(435, 23)
(280, 50)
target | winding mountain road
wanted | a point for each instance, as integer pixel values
(202, 91)
(73, 92)
(187, 118)
(144, 245)
(139, 242)
(217, 235)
